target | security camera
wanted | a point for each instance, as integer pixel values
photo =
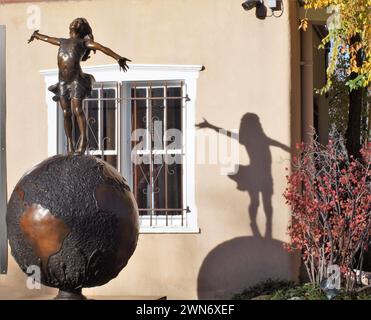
(250, 4)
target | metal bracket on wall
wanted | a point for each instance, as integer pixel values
(3, 179)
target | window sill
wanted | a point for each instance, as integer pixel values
(162, 230)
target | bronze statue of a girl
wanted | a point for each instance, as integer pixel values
(74, 85)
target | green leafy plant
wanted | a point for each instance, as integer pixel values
(289, 290)
(266, 287)
(307, 291)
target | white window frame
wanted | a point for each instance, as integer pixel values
(144, 72)
(100, 150)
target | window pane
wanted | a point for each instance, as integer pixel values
(159, 188)
(109, 120)
(174, 108)
(142, 187)
(174, 188)
(157, 118)
(139, 109)
(91, 112)
(174, 116)
(166, 189)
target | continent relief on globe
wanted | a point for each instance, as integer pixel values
(43, 231)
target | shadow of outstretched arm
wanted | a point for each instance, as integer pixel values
(207, 125)
(275, 143)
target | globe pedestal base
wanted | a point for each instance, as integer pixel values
(70, 295)
(75, 218)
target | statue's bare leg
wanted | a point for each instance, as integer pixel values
(67, 115)
(81, 121)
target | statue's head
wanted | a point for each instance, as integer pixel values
(80, 28)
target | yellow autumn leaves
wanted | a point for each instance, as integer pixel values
(354, 23)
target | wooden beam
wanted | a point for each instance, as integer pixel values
(307, 83)
(31, 1)
(3, 190)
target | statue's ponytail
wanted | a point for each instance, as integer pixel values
(87, 53)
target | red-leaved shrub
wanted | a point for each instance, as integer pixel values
(330, 197)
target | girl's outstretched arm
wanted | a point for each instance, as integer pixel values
(122, 61)
(42, 37)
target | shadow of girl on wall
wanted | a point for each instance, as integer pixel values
(240, 262)
(256, 177)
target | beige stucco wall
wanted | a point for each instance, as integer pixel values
(248, 69)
